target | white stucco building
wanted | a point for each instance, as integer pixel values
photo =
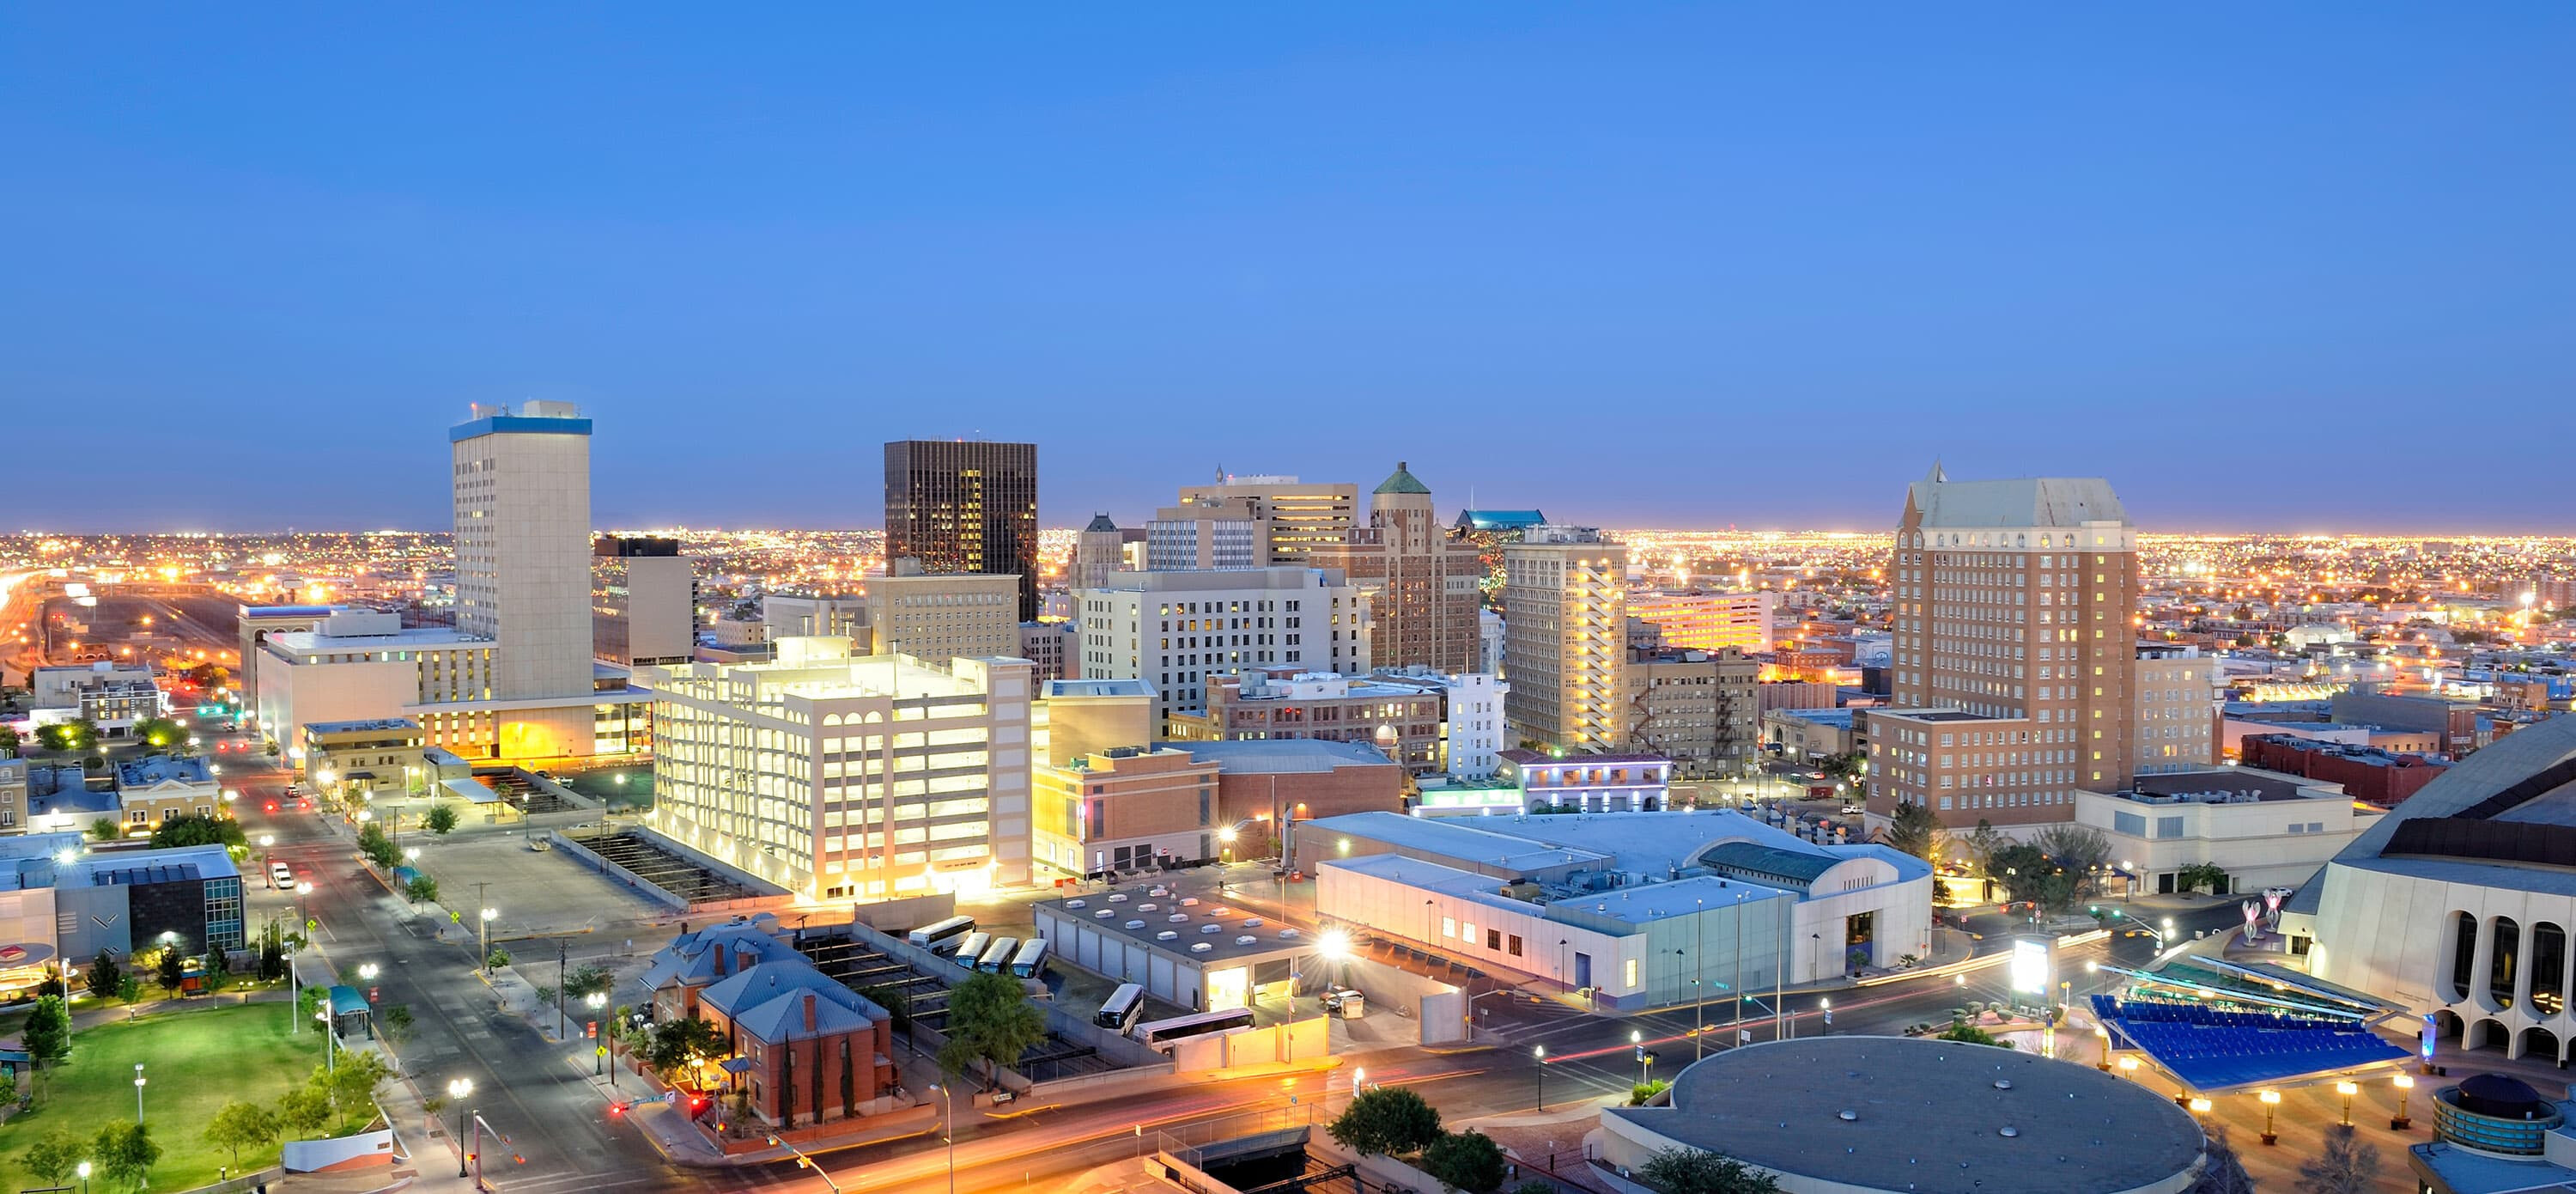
(843, 777)
(2264, 828)
(2458, 903)
(1642, 909)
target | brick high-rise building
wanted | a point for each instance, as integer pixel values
(962, 506)
(2014, 631)
(1565, 639)
(1422, 585)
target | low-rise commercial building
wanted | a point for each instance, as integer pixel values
(13, 796)
(1263, 786)
(155, 788)
(2381, 777)
(842, 777)
(1403, 721)
(358, 759)
(1192, 953)
(1637, 911)
(807, 1048)
(1126, 808)
(1587, 783)
(2262, 828)
(1471, 713)
(60, 904)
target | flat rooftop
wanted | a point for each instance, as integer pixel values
(378, 723)
(1637, 904)
(314, 642)
(2238, 783)
(1656, 844)
(1925, 1115)
(1095, 688)
(1263, 756)
(1229, 933)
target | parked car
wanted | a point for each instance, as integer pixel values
(281, 875)
(1345, 1002)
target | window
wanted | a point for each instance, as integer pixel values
(1630, 970)
(1515, 946)
(1449, 926)
(1494, 938)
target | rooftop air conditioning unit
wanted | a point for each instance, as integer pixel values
(1135, 924)
(1167, 935)
(1177, 918)
(1247, 939)
(1202, 947)
(1106, 913)
(1077, 903)
(1211, 928)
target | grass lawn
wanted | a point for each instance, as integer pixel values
(195, 1061)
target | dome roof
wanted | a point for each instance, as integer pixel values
(2499, 1096)
(1402, 482)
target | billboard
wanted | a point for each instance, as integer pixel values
(2032, 966)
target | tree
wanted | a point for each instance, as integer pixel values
(196, 830)
(1847, 765)
(1469, 1160)
(54, 1157)
(80, 733)
(2221, 1170)
(421, 890)
(106, 829)
(2199, 875)
(396, 1022)
(125, 1152)
(161, 733)
(104, 975)
(219, 969)
(991, 1020)
(353, 1083)
(238, 1125)
(1689, 1171)
(1915, 830)
(8, 742)
(1386, 1119)
(496, 959)
(441, 819)
(676, 1046)
(378, 848)
(1643, 1092)
(47, 1034)
(8, 1087)
(303, 1111)
(272, 961)
(2347, 1164)
(171, 971)
(897, 1004)
(129, 988)
(588, 980)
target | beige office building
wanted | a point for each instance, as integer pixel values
(1701, 709)
(1708, 621)
(2177, 710)
(842, 777)
(1125, 808)
(1179, 631)
(644, 601)
(943, 617)
(1099, 550)
(1422, 585)
(2013, 610)
(1301, 516)
(1565, 639)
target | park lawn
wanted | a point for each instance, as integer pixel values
(195, 1061)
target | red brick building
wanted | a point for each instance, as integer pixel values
(2367, 773)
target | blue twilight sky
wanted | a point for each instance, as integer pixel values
(2297, 267)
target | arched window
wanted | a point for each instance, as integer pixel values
(2503, 961)
(2464, 953)
(2548, 969)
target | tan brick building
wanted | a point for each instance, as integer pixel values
(1422, 585)
(2013, 611)
(1405, 722)
(1300, 516)
(1700, 709)
(1565, 639)
(1125, 808)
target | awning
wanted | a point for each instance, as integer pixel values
(467, 789)
(369, 776)
(347, 1001)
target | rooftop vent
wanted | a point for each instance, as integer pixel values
(1202, 947)
(1177, 918)
(1135, 924)
(1247, 939)
(2003, 1084)
(1848, 1116)
(2008, 1131)
(1106, 913)
(1077, 903)
(1167, 935)
(1211, 928)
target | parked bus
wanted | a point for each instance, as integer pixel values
(1030, 962)
(1119, 1011)
(1161, 1033)
(942, 933)
(971, 950)
(997, 956)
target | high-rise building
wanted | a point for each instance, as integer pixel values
(1701, 709)
(1099, 550)
(1708, 621)
(1176, 630)
(1207, 534)
(1422, 585)
(843, 777)
(941, 616)
(2014, 607)
(644, 601)
(2177, 709)
(966, 506)
(1565, 639)
(522, 487)
(1301, 515)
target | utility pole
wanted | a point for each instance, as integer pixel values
(563, 1024)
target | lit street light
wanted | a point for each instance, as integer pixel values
(2271, 1099)
(1540, 1052)
(456, 1092)
(138, 1094)
(598, 1052)
(2347, 1090)
(84, 1176)
(2405, 1091)
(486, 960)
(950, 1097)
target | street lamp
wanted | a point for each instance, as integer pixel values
(456, 1093)
(486, 960)
(2129, 1066)
(2405, 1090)
(138, 1094)
(1540, 1052)
(2271, 1099)
(2347, 1090)
(599, 1052)
(2199, 1105)
(84, 1176)
(949, 1096)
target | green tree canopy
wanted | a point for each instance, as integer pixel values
(1386, 1119)
(169, 971)
(303, 1112)
(124, 1153)
(197, 830)
(990, 1020)
(55, 1156)
(161, 733)
(1469, 1160)
(676, 1046)
(1689, 1171)
(1915, 830)
(441, 819)
(106, 829)
(422, 889)
(238, 1125)
(47, 1034)
(104, 975)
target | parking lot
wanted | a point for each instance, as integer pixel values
(863, 969)
(635, 851)
(535, 893)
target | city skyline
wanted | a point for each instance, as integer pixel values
(1770, 264)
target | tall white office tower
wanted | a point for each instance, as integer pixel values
(522, 481)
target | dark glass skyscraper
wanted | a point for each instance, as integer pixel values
(965, 506)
